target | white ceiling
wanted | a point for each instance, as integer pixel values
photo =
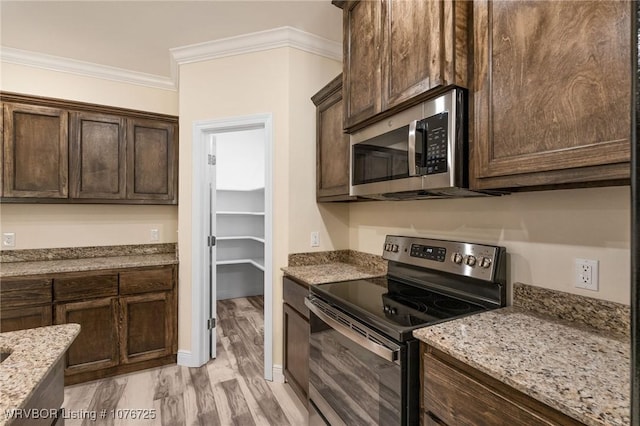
(137, 35)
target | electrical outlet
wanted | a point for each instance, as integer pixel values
(155, 235)
(587, 274)
(315, 239)
(9, 239)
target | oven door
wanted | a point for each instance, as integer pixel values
(355, 374)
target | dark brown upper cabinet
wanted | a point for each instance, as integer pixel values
(97, 156)
(63, 151)
(35, 151)
(151, 160)
(551, 93)
(332, 144)
(396, 52)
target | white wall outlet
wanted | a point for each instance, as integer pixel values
(587, 274)
(8, 239)
(155, 235)
(315, 239)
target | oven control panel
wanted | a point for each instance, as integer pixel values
(468, 259)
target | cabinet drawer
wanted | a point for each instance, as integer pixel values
(21, 292)
(459, 397)
(144, 281)
(293, 294)
(85, 287)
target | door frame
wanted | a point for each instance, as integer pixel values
(200, 296)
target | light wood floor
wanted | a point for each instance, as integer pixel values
(229, 390)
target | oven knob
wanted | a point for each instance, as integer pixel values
(485, 262)
(394, 248)
(456, 258)
(470, 260)
(393, 311)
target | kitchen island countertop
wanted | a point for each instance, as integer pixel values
(579, 371)
(33, 353)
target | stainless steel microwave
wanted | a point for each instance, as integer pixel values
(421, 152)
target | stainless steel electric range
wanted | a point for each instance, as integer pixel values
(364, 365)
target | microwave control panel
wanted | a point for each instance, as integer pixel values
(435, 143)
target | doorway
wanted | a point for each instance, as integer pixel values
(231, 225)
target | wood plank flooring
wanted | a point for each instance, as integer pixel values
(229, 390)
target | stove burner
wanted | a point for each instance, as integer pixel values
(413, 304)
(452, 305)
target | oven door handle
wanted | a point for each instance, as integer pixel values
(380, 350)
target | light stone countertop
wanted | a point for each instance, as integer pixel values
(331, 272)
(582, 373)
(33, 353)
(15, 269)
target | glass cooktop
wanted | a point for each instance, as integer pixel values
(393, 307)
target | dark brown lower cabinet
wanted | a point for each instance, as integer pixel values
(453, 393)
(128, 317)
(296, 337)
(23, 318)
(146, 327)
(96, 347)
(25, 303)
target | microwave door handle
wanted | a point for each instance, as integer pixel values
(411, 151)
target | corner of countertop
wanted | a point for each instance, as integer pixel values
(601, 315)
(372, 262)
(333, 266)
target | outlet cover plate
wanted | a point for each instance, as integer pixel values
(8, 239)
(586, 274)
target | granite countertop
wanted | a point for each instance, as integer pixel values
(577, 370)
(15, 269)
(333, 266)
(33, 353)
(330, 272)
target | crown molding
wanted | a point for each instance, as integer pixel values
(256, 42)
(238, 45)
(88, 69)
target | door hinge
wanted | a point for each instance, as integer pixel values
(211, 323)
(211, 240)
(211, 159)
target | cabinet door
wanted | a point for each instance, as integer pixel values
(24, 303)
(97, 156)
(425, 45)
(151, 161)
(332, 145)
(35, 151)
(296, 351)
(23, 318)
(552, 99)
(96, 347)
(147, 327)
(361, 78)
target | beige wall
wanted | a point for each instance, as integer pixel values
(308, 74)
(279, 82)
(48, 225)
(543, 232)
(63, 225)
(54, 84)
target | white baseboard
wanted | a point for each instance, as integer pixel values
(278, 376)
(186, 359)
